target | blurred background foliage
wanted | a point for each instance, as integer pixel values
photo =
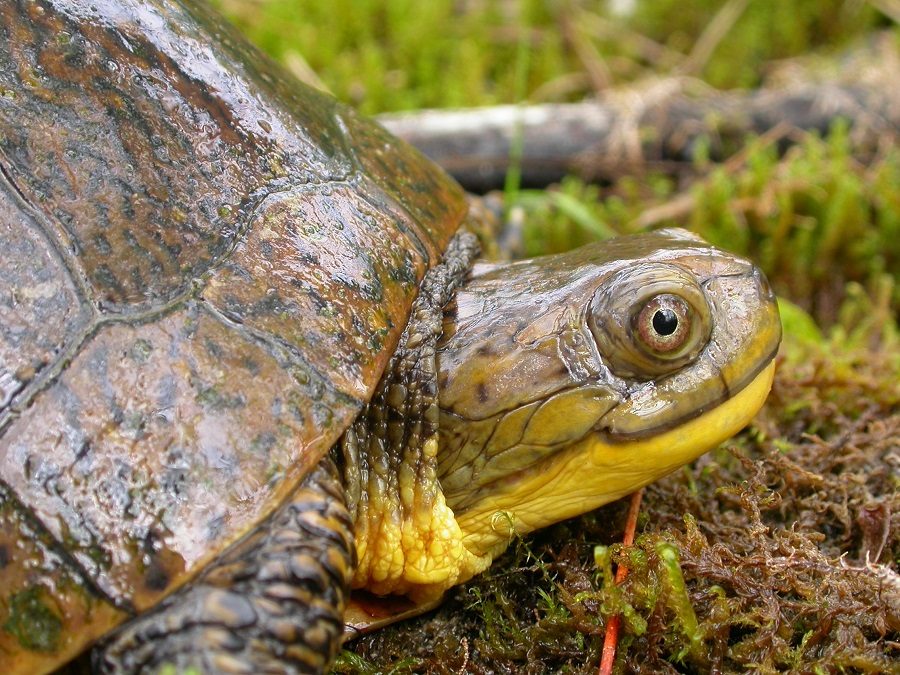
(388, 55)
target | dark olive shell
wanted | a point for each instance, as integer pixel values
(205, 267)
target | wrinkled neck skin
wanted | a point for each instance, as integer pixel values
(544, 416)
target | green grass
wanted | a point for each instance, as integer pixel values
(386, 55)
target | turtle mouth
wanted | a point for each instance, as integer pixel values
(680, 443)
(729, 390)
(595, 471)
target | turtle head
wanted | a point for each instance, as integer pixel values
(568, 381)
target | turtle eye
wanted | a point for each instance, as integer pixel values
(650, 319)
(663, 324)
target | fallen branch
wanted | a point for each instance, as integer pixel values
(661, 126)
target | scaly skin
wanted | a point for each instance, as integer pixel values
(407, 539)
(272, 604)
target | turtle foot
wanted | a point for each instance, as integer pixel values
(273, 604)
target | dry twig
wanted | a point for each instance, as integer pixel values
(611, 639)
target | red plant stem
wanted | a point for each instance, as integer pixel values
(611, 639)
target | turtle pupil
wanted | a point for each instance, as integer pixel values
(665, 322)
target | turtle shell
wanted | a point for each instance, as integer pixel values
(206, 266)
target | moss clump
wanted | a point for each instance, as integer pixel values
(775, 553)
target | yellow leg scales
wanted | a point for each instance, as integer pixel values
(407, 538)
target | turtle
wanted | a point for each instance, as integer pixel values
(249, 360)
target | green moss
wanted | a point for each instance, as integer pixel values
(32, 621)
(170, 669)
(678, 597)
(141, 350)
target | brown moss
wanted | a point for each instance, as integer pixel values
(786, 540)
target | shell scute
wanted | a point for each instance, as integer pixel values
(138, 139)
(157, 447)
(41, 314)
(330, 274)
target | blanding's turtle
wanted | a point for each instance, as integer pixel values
(247, 363)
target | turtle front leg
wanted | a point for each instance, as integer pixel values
(272, 604)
